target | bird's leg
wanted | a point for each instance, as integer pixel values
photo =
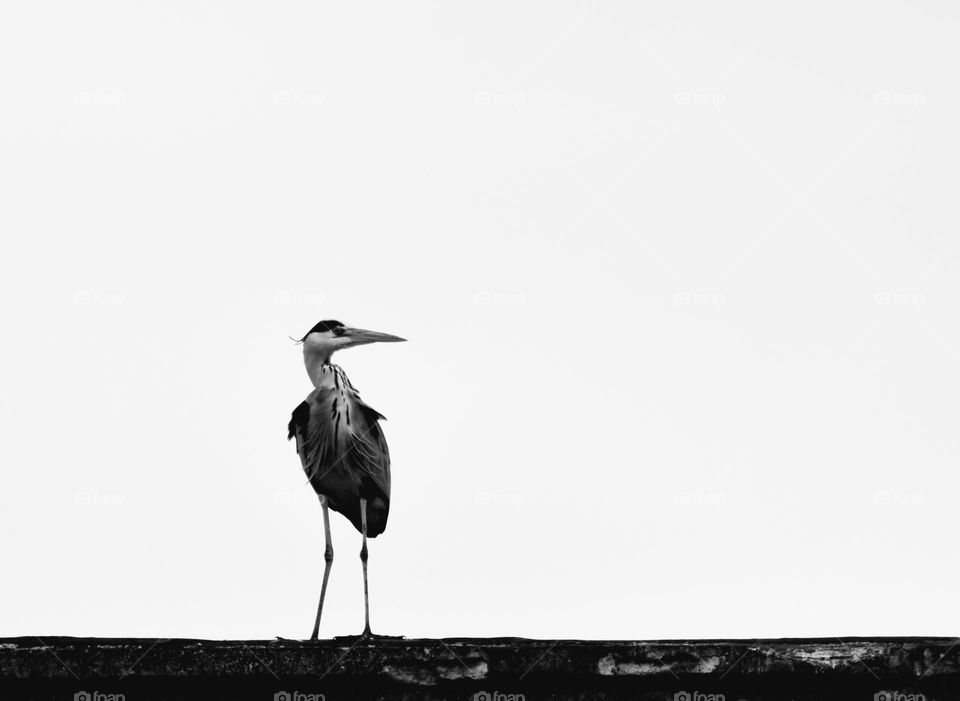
(327, 564)
(363, 559)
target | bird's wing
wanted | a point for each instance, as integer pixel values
(314, 437)
(344, 454)
(369, 454)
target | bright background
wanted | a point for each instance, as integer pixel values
(680, 283)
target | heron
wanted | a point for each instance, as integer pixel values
(341, 446)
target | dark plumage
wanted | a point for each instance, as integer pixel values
(343, 450)
(328, 325)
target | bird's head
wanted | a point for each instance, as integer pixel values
(328, 336)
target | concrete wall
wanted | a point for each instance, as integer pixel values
(503, 669)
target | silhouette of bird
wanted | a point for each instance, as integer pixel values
(341, 446)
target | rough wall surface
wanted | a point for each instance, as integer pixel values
(489, 669)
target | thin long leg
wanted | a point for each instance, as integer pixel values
(363, 559)
(327, 564)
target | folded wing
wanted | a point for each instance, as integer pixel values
(344, 454)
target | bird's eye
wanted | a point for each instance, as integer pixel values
(338, 331)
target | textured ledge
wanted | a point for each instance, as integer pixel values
(850, 669)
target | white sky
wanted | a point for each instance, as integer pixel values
(680, 284)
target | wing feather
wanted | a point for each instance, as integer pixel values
(344, 454)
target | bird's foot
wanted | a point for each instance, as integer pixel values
(366, 635)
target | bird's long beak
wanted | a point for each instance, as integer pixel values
(360, 336)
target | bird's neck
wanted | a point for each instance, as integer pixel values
(316, 360)
(324, 374)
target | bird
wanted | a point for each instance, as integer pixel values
(341, 446)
